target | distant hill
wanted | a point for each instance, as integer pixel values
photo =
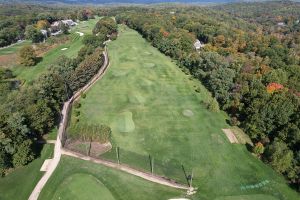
(122, 1)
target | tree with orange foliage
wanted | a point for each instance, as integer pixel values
(42, 24)
(258, 149)
(272, 87)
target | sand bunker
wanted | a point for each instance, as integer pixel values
(230, 135)
(149, 65)
(63, 49)
(125, 122)
(136, 98)
(188, 113)
(80, 33)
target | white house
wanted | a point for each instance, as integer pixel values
(281, 24)
(44, 32)
(69, 22)
(198, 45)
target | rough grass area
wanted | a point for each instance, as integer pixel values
(163, 94)
(19, 184)
(77, 179)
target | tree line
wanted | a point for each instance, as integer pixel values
(253, 74)
(29, 112)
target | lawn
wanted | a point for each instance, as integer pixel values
(20, 183)
(152, 108)
(14, 48)
(76, 179)
(28, 74)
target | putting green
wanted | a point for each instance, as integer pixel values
(124, 122)
(136, 98)
(79, 179)
(81, 187)
(149, 65)
(188, 113)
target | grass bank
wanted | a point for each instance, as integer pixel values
(19, 184)
(153, 109)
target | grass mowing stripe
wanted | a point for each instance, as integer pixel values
(156, 97)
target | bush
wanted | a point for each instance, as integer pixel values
(213, 105)
(27, 56)
(259, 148)
(77, 105)
(24, 154)
(83, 95)
(77, 113)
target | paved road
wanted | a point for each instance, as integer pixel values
(125, 168)
(62, 127)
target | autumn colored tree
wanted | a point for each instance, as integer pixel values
(42, 24)
(27, 56)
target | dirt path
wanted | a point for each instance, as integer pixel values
(62, 127)
(125, 168)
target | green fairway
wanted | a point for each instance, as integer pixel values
(14, 48)
(28, 74)
(152, 108)
(77, 179)
(20, 183)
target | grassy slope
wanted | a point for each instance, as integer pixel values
(28, 74)
(20, 183)
(156, 97)
(13, 48)
(113, 184)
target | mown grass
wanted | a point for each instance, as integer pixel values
(28, 74)
(77, 179)
(14, 48)
(144, 82)
(20, 183)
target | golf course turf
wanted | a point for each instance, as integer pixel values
(77, 179)
(70, 49)
(19, 184)
(153, 109)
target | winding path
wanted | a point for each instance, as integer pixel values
(62, 127)
(58, 149)
(126, 168)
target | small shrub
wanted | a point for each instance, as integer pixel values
(213, 105)
(234, 121)
(77, 105)
(258, 149)
(83, 95)
(77, 113)
(76, 119)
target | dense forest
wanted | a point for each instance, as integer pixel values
(30, 111)
(253, 72)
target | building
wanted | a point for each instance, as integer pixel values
(55, 26)
(69, 22)
(44, 32)
(198, 45)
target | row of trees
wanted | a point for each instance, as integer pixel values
(253, 75)
(27, 113)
